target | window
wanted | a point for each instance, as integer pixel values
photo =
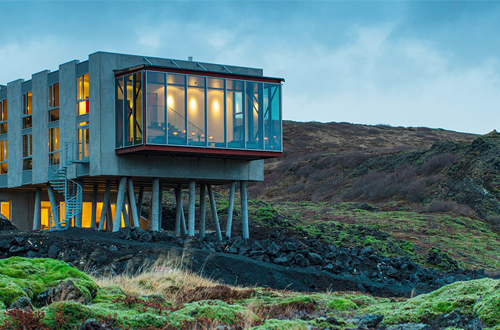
(272, 117)
(54, 146)
(254, 115)
(5, 208)
(3, 157)
(157, 116)
(196, 111)
(176, 109)
(54, 102)
(83, 141)
(128, 107)
(27, 108)
(235, 123)
(27, 152)
(83, 94)
(215, 113)
(3, 117)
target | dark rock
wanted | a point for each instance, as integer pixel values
(18, 249)
(315, 259)
(273, 250)
(31, 254)
(460, 277)
(366, 251)
(232, 250)
(22, 303)
(113, 248)
(288, 246)
(64, 291)
(4, 245)
(329, 268)
(332, 320)
(370, 321)
(18, 240)
(145, 237)
(281, 261)
(5, 224)
(256, 246)
(301, 260)
(179, 241)
(125, 233)
(53, 251)
(94, 325)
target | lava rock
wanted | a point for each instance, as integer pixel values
(94, 325)
(288, 246)
(5, 224)
(53, 252)
(4, 245)
(301, 260)
(22, 303)
(145, 237)
(370, 321)
(281, 261)
(315, 259)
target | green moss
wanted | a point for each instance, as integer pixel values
(28, 277)
(212, 309)
(478, 297)
(300, 299)
(109, 294)
(273, 324)
(341, 304)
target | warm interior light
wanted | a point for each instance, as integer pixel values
(192, 104)
(202, 135)
(170, 101)
(183, 131)
(211, 137)
(192, 134)
(216, 106)
(175, 133)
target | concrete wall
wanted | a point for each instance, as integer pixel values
(22, 207)
(40, 128)
(15, 125)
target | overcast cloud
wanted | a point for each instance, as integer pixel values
(434, 64)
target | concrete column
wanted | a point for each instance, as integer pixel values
(126, 217)
(78, 217)
(67, 110)
(105, 204)
(109, 217)
(120, 200)
(214, 211)
(183, 222)
(93, 218)
(37, 219)
(40, 90)
(178, 209)
(160, 205)
(133, 206)
(192, 207)
(244, 208)
(139, 203)
(155, 195)
(15, 125)
(203, 209)
(54, 208)
(230, 209)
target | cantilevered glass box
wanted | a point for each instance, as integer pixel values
(212, 114)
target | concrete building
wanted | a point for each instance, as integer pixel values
(81, 145)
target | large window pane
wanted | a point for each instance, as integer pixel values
(156, 108)
(254, 116)
(138, 108)
(176, 105)
(272, 117)
(128, 111)
(215, 113)
(196, 116)
(235, 125)
(119, 112)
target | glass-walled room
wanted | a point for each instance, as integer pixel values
(197, 111)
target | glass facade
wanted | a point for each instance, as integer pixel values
(198, 111)
(3, 117)
(3, 157)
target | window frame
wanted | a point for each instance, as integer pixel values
(4, 119)
(80, 91)
(27, 113)
(30, 153)
(52, 106)
(4, 156)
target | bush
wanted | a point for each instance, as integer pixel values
(439, 206)
(439, 162)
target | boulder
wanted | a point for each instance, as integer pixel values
(5, 224)
(53, 251)
(22, 303)
(281, 261)
(301, 260)
(4, 245)
(315, 259)
(64, 291)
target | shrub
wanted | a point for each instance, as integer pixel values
(439, 162)
(437, 206)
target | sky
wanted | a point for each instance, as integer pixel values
(417, 63)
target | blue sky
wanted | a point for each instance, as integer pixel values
(419, 63)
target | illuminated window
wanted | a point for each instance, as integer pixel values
(3, 117)
(215, 113)
(83, 94)
(54, 102)
(128, 109)
(27, 152)
(54, 146)
(27, 110)
(3, 157)
(235, 124)
(196, 111)
(5, 209)
(83, 141)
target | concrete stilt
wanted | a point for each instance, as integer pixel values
(93, 218)
(133, 206)
(126, 212)
(37, 218)
(214, 211)
(178, 209)
(109, 218)
(120, 202)
(105, 204)
(78, 217)
(192, 209)
(203, 208)
(230, 209)
(139, 203)
(160, 205)
(183, 222)
(154, 205)
(54, 208)
(244, 208)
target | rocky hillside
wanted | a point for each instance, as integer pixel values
(413, 168)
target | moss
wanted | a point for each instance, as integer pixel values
(212, 309)
(10, 291)
(341, 304)
(33, 276)
(300, 299)
(478, 297)
(273, 324)
(109, 294)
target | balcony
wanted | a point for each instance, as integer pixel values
(193, 114)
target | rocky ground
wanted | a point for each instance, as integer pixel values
(277, 262)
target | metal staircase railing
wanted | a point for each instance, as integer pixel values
(72, 191)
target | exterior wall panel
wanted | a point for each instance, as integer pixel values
(40, 128)
(15, 143)
(67, 109)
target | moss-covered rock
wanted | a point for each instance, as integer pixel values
(213, 309)
(29, 277)
(273, 324)
(341, 304)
